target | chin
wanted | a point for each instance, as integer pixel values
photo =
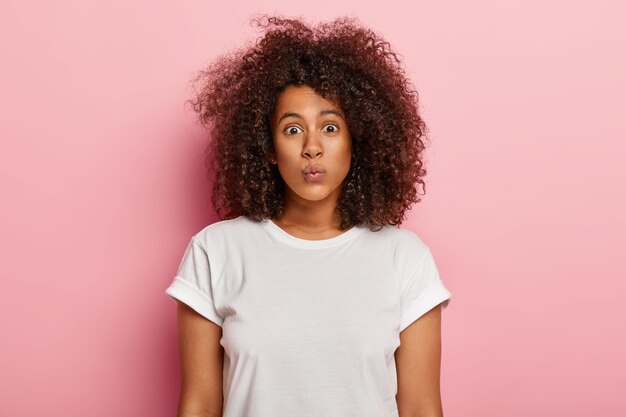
(314, 196)
(313, 192)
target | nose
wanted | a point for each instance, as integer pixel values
(312, 147)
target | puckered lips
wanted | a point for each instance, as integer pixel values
(314, 172)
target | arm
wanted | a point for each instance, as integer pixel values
(201, 360)
(418, 362)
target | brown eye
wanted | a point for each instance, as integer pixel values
(334, 128)
(290, 130)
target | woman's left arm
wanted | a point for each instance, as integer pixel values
(418, 365)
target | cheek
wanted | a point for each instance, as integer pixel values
(285, 146)
(286, 157)
(346, 152)
(281, 151)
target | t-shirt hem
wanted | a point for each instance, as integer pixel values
(188, 294)
(430, 297)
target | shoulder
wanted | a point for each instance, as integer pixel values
(224, 230)
(407, 247)
(410, 238)
(401, 239)
(225, 240)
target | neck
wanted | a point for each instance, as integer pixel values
(310, 216)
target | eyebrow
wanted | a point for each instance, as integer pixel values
(322, 113)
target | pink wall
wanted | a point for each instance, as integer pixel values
(102, 186)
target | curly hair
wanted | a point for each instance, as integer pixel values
(347, 64)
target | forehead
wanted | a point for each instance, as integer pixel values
(302, 97)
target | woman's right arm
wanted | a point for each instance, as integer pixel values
(201, 365)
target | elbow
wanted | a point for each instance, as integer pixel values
(186, 411)
(420, 413)
(198, 414)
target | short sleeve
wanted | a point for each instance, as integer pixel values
(192, 284)
(422, 289)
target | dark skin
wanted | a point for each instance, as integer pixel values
(308, 129)
(201, 364)
(313, 131)
(418, 365)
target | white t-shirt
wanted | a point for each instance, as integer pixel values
(309, 327)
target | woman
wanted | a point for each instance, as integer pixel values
(307, 299)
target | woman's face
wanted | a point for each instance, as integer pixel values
(308, 130)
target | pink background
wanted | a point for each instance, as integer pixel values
(102, 186)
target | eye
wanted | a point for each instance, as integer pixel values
(289, 130)
(334, 127)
